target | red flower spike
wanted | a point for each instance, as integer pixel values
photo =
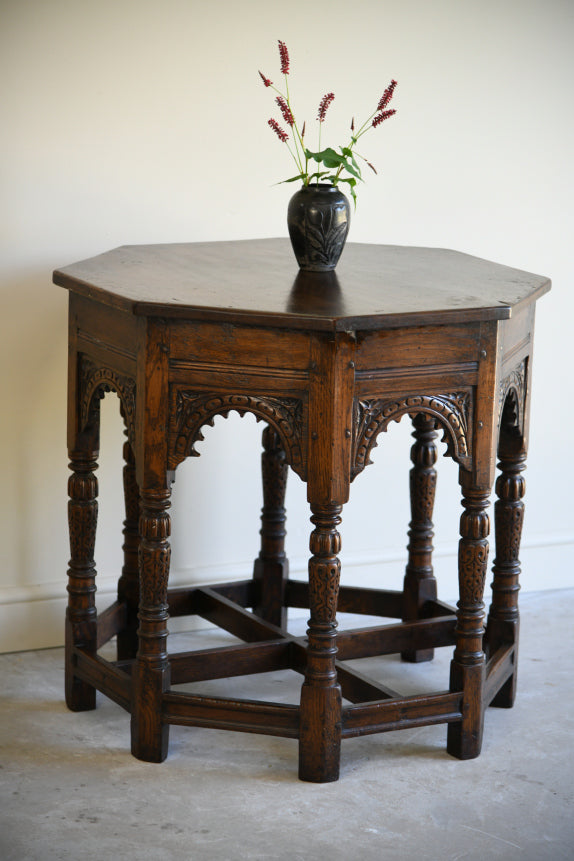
(325, 102)
(282, 135)
(285, 110)
(387, 96)
(353, 124)
(284, 57)
(303, 131)
(265, 80)
(380, 118)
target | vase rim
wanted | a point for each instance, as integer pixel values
(323, 186)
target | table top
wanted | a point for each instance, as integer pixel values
(258, 282)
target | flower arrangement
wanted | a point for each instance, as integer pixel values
(327, 165)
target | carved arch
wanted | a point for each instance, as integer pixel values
(193, 410)
(512, 398)
(452, 412)
(512, 410)
(94, 382)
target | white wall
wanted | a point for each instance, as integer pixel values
(135, 121)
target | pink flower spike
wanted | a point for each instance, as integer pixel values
(380, 118)
(284, 57)
(285, 110)
(282, 135)
(325, 102)
(387, 96)
(265, 80)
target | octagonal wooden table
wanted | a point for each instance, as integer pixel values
(185, 332)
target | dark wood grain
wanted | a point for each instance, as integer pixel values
(185, 333)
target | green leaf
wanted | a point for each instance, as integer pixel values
(355, 171)
(352, 183)
(300, 177)
(326, 156)
(348, 152)
(355, 165)
(334, 161)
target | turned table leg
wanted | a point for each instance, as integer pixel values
(419, 583)
(468, 665)
(128, 584)
(321, 701)
(271, 568)
(81, 616)
(503, 618)
(151, 674)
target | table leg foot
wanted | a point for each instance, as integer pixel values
(464, 738)
(149, 734)
(80, 696)
(320, 734)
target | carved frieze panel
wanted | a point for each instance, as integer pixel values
(94, 381)
(451, 410)
(193, 410)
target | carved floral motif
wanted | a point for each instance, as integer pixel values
(472, 565)
(324, 567)
(324, 589)
(83, 521)
(509, 519)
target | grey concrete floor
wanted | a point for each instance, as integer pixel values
(71, 790)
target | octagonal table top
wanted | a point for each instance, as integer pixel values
(258, 282)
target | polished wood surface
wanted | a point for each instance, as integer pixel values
(257, 281)
(183, 333)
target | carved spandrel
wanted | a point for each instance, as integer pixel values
(512, 396)
(193, 410)
(451, 411)
(94, 382)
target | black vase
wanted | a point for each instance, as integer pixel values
(318, 219)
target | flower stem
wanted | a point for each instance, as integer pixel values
(298, 140)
